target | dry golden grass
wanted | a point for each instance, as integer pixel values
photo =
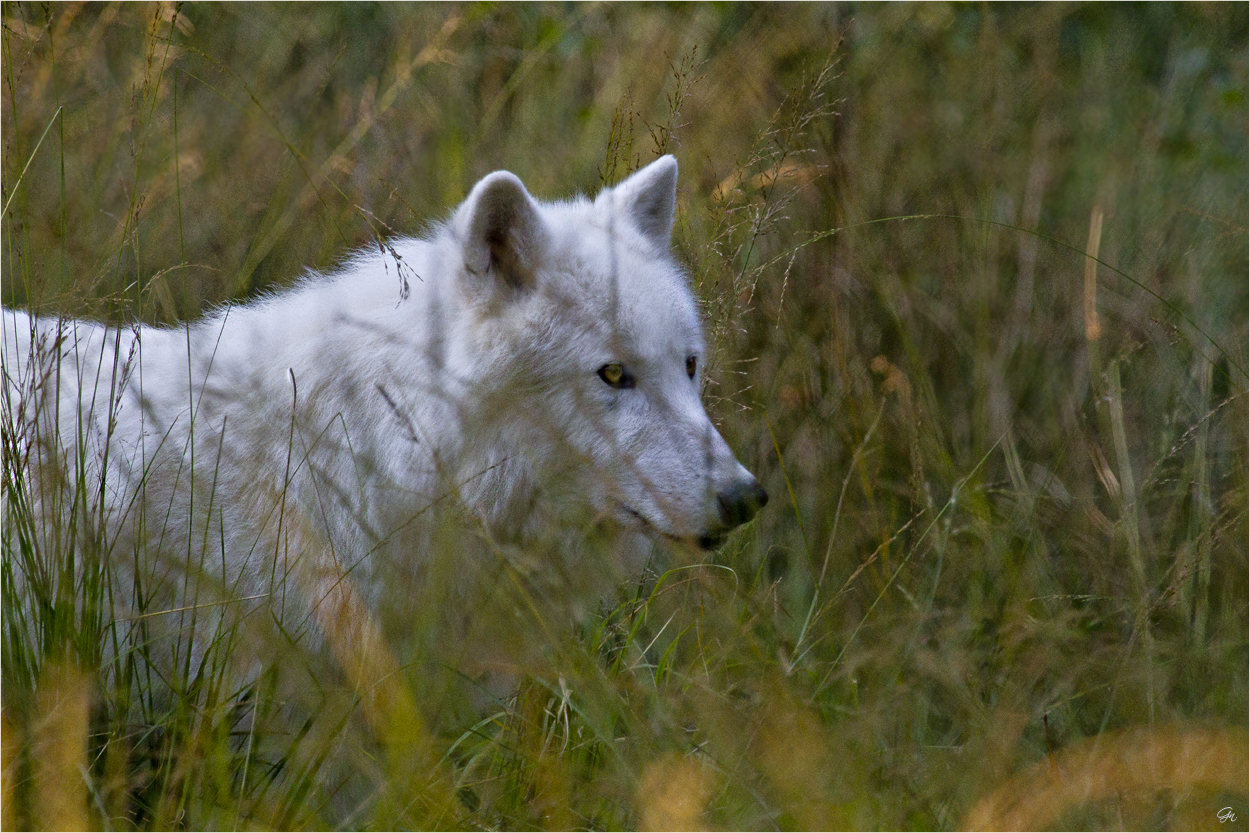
(672, 794)
(1128, 767)
(58, 749)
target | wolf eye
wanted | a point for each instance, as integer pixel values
(692, 363)
(615, 375)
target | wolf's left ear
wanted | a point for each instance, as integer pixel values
(649, 198)
(502, 233)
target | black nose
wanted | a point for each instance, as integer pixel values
(739, 503)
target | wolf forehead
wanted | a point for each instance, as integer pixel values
(605, 263)
(641, 294)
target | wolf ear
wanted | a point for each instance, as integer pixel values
(650, 198)
(501, 231)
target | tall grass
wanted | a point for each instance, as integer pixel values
(976, 283)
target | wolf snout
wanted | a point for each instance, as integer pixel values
(735, 505)
(739, 503)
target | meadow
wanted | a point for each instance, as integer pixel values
(975, 281)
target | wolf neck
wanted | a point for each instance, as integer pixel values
(411, 410)
(316, 372)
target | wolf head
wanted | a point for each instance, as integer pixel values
(587, 351)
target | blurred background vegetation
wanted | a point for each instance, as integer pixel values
(1009, 485)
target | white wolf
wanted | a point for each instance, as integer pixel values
(532, 363)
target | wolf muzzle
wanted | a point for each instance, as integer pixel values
(736, 505)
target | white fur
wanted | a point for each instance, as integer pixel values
(321, 424)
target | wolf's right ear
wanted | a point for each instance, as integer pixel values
(501, 231)
(649, 198)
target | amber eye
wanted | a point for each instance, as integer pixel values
(692, 363)
(615, 375)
